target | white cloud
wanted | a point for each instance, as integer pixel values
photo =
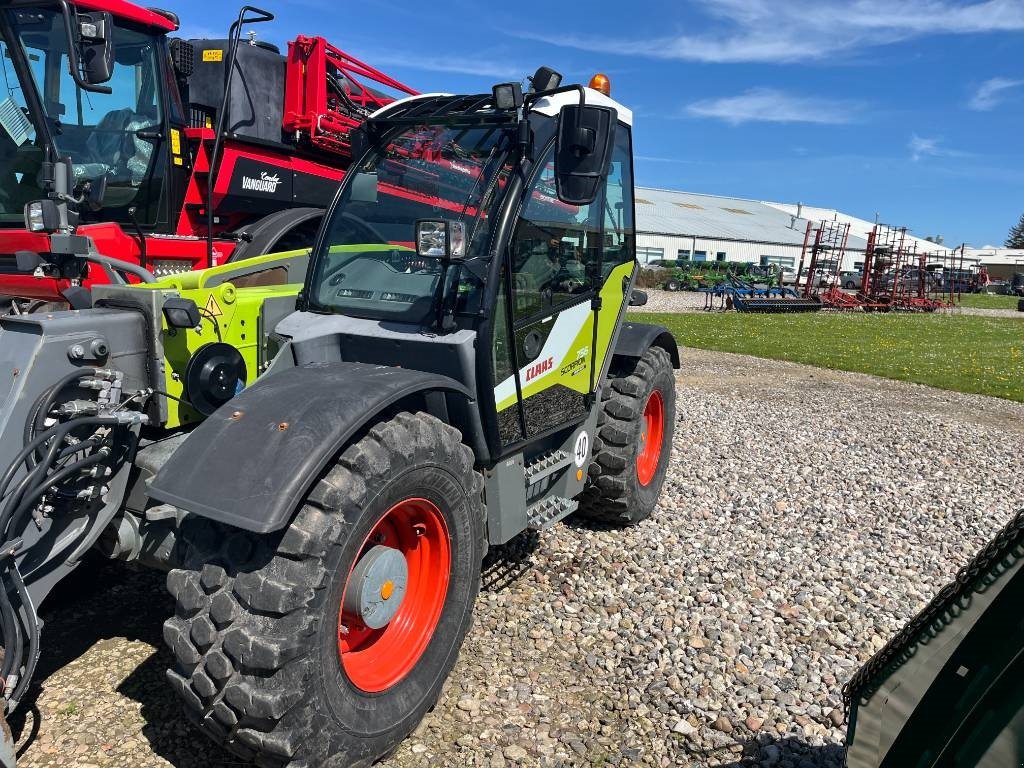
(785, 31)
(767, 105)
(991, 92)
(657, 159)
(921, 147)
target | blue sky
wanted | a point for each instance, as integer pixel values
(911, 109)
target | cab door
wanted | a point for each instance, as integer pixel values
(563, 280)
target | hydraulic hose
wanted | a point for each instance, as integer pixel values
(32, 627)
(41, 407)
(57, 430)
(12, 520)
(11, 632)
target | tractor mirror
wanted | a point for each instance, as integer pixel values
(586, 135)
(637, 298)
(181, 313)
(441, 239)
(364, 187)
(96, 44)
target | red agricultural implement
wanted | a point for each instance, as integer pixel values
(119, 142)
(895, 277)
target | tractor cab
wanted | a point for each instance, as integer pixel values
(92, 88)
(500, 223)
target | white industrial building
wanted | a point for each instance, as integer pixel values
(1001, 263)
(687, 226)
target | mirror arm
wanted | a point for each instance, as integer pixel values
(73, 63)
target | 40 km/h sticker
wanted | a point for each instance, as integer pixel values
(582, 451)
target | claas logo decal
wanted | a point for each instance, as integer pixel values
(537, 369)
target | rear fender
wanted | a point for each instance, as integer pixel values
(636, 338)
(252, 462)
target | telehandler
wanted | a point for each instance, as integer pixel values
(320, 447)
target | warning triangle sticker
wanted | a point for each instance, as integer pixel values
(212, 307)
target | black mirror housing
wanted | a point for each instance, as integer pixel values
(96, 43)
(586, 135)
(181, 313)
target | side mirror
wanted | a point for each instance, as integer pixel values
(364, 187)
(181, 313)
(586, 135)
(96, 43)
(637, 298)
(441, 239)
(96, 192)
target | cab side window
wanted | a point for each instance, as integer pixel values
(619, 237)
(555, 249)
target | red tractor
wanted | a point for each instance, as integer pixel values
(125, 153)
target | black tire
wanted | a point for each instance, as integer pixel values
(672, 285)
(255, 631)
(614, 493)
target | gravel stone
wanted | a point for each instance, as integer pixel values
(806, 516)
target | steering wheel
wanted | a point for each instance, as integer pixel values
(363, 231)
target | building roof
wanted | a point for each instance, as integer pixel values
(996, 256)
(859, 227)
(690, 214)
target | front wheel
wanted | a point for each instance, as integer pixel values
(634, 440)
(327, 643)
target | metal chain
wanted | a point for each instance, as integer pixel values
(988, 565)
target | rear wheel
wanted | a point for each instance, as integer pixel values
(327, 643)
(634, 441)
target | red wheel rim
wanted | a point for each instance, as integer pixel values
(651, 434)
(376, 659)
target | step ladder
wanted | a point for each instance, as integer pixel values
(546, 465)
(548, 511)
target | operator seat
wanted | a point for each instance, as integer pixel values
(113, 149)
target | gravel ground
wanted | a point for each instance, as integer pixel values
(693, 301)
(789, 544)
(671, 301)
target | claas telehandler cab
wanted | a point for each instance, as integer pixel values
(321, 468)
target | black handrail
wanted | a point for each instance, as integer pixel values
(234, 34)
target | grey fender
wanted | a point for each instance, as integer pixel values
(636, 338)
(251, 463)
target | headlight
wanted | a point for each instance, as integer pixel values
(42, 216)
(34, 217)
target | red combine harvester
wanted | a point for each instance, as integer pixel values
(124, 152)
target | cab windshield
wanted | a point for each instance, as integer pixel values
(100, 132)
(367, 265)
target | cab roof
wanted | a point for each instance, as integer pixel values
(552, 105)
(481, 106)
(121, 9)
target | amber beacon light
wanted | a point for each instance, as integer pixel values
(600, 82)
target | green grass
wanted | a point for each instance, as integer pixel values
(966, 353)
(988, 301)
